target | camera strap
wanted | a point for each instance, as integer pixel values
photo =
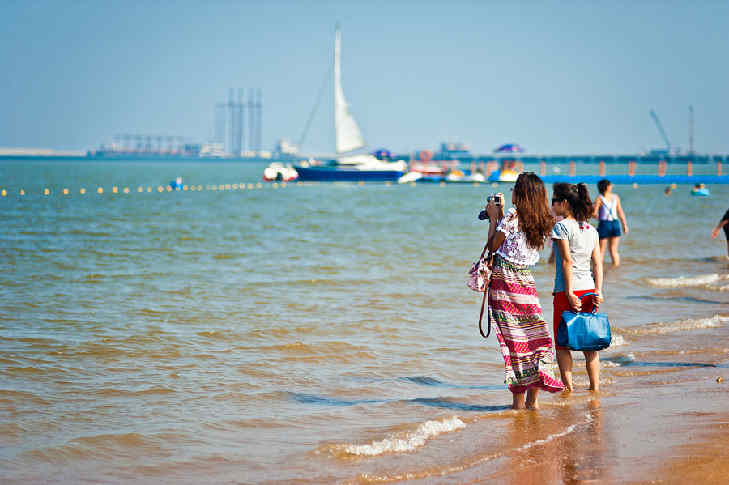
(488, 317)
(483, 301)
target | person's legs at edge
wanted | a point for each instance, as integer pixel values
(614, 242)
(518, 400)
(592, 364)
(603, 248)
(532, 398)
(564, 360)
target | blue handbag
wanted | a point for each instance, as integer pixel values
(584, 330)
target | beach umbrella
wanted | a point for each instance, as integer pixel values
(509, 148)
(382, 154)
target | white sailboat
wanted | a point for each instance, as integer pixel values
(347, 165)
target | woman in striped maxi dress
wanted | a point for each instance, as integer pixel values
(523, 335)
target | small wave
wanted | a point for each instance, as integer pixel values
(221, 256)
(158, 390)
(551, 437)
(478, 460)
(715, 282)
(329, 401)
(628, 360)
(15, 397)
(408, 441)
(106, 446)
(150, 312)
(457, 406)
(662, 328)
(618, 340)
(432, 381)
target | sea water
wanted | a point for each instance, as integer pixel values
(319, 332)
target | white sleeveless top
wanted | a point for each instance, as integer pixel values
(608, 210)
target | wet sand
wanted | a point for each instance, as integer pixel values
(658, 420)
(661, 417)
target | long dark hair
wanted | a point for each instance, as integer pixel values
(535, 218)
(578, 198)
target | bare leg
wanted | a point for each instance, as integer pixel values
(564, 360)
(518, 400)
(532, 398)
(592, 364)
(603, 247)
(614, 242)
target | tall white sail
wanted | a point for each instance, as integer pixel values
(347, 132)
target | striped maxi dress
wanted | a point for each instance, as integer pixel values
(523, 335)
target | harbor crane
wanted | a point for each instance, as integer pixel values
(661, 130)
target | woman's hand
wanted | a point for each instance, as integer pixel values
(494, 211)
(715, 232)
(574, 301)
(597, 299)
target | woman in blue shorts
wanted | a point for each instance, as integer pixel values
(609, 212)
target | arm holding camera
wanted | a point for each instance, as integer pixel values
(495, 211)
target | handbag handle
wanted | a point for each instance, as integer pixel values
(592, 293)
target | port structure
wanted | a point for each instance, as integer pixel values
(231, 120)
(661, 131)
(140, 143)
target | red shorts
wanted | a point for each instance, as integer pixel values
(561, 304)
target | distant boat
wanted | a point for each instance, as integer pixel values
(277, 171)
(509, 170)
(454, 176)
(347, 166)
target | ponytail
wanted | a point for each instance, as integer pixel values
(577, 197)
(582, 205)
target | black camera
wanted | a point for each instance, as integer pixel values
(498, 199)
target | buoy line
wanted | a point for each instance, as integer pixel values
(141, 189)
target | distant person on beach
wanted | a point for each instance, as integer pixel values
(523, 335)
(576, 244)
(723, 224)
(607, 210)
(667, 190)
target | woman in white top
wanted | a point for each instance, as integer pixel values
(522, 333)
(607, 210)
(576, 245)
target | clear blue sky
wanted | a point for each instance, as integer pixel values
(556, 77)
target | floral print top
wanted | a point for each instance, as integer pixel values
(515, 248)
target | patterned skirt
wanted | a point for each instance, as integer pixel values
(522, 333)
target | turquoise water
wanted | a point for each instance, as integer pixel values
(321, 332)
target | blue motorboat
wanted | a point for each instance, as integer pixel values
(345, 173)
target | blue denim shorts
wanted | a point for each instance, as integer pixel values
(609, 229)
